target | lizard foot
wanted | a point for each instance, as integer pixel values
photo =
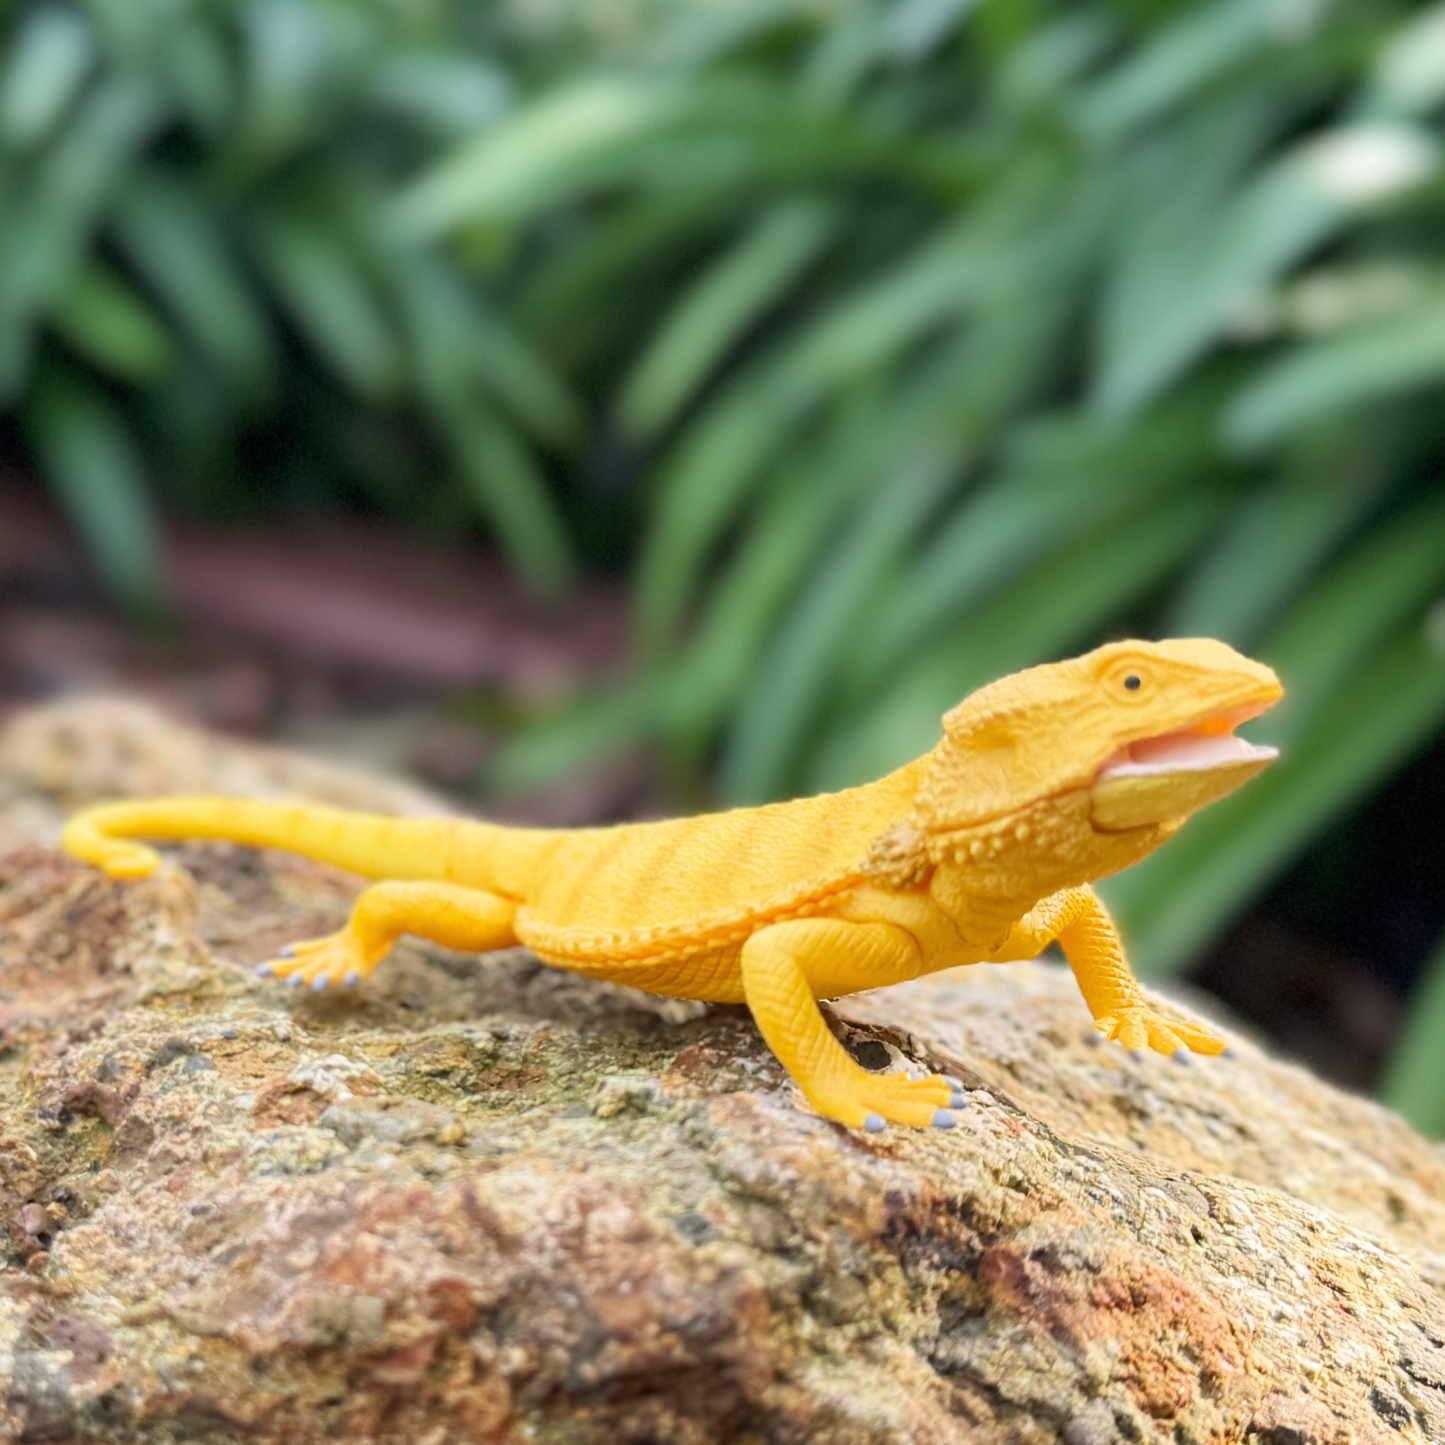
(869, 1101)
(339, 958)
(1143, 1026)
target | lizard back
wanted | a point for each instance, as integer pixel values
(644, 889)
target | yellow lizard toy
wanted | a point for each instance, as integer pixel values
(982, 849)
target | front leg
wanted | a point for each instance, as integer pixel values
(782, 966)
(463, 918)
(1095, 952)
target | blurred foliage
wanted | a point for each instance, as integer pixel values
(202, 296)
(1414, 1081)
(915, 340)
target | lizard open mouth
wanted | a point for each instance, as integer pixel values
(1171, 775)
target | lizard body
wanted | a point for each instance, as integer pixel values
(983, 849)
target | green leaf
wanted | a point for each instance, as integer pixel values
(560, 296)
(716, 467)
(1278, 536)
(1343, 373)
(726, 300)
(106, 322)
(298, 58)
(1408, 77)
(521, 162)
(703, 683)
(596, 727)
(722, 458)
(815, 488)
(1413, 1081)
(457, 338)
(48, 227)
(1369, 594)
(998, 247)
(502, 475)
(168, 235)
(51, 52)
(202, 75)
(1145, 345)
(1201, 44)
(1174, 188)
(520, 376)
(781, 706)
(333, 302)
(1151, 333)
(1062, 475)
(92, 462)
(457, 95)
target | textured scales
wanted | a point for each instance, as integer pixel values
(632, 891)
(983, 849)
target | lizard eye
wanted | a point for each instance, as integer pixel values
(1133, 682)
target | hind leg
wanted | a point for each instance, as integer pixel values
(463, 918)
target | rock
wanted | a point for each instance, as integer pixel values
(483, 1201)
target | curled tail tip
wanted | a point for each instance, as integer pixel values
(138, 864)
(116, 857)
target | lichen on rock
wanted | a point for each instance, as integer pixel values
(483, 1201)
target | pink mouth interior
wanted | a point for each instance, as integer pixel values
(1210, 745)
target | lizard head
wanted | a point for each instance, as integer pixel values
(1073, 770)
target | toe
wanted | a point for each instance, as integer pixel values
(1132, 1034)
(916, 1103)
(1200, 1040)
(1164, 1040)
(321, 963)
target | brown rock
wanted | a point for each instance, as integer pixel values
(481, 1201)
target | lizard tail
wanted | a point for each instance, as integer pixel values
(377, 847)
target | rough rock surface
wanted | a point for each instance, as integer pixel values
(483, 1201)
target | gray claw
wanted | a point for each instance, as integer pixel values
(265, 970)
(1137, 1055)
(350, 978)
(955, 1084)
(287, 951)
(914, 1075)
(1229, 1052)
(1181, 1055)
(959, 1100)
(318, 984)
(295, 981)
(942, 1119)
(874, 1123)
